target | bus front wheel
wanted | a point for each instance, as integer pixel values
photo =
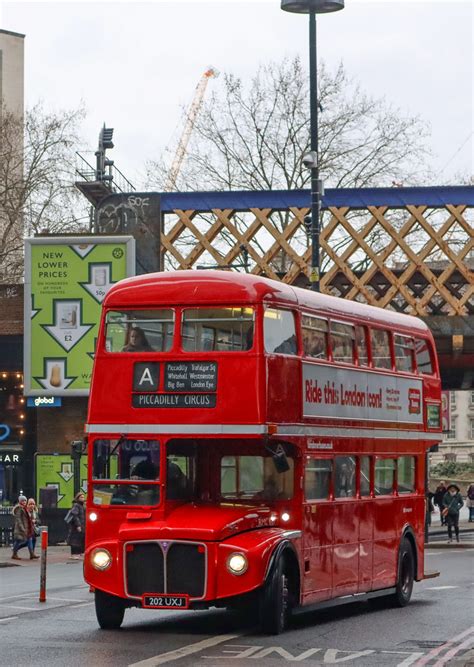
(109, 610)
(275, 600)
(406, 574)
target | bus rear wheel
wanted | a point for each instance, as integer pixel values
(275, 600)
(109, 610)
(406, 574)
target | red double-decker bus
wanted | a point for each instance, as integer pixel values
(255, 444)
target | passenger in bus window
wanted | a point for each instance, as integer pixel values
(177, 486)
(144, 470)
(344, 478)
(288, 346)
(137, 341)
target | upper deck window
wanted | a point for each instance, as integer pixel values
(423, 359)
(361, 343)
(403, 353)
(314, 331)
(380, 349)
(139, 330)
(342, 342)
(220, 329)
(279, 331)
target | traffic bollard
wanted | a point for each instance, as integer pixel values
(44, 554)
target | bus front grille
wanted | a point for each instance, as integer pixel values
(165, 567)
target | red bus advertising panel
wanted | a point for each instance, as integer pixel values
(255, 445)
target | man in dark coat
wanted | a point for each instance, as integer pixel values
(23, 529)
(77, 527)
(452, 503)
(439, 494)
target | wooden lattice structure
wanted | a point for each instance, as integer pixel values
(408, 249)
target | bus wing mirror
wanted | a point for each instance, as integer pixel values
(279, 460)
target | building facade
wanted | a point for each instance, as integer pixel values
(12, 71)
(458, 443)
(17, 425)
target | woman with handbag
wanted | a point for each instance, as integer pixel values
(22, 529)
(35, 520)
(452, 503)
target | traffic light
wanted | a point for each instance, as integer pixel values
(105, 138)
(105, 142)
(77, 447)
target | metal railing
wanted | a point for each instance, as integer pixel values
(87, 172)
(6, 526)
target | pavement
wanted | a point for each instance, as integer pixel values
(56, 554)
(438, 534)
(438, 538)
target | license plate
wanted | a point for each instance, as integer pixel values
(162, 601)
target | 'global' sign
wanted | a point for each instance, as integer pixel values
(44, 402)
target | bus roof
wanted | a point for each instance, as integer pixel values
(193, 288)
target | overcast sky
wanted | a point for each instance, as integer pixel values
(135, 65)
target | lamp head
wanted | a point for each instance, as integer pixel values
(317, 6)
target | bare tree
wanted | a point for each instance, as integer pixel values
(253, 137)
(36, 181)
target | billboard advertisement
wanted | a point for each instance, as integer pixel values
(351, 394)
(57, 471)
(66, 280)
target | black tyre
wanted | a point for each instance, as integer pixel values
(275, 600)
(406, 574)
(109, 610)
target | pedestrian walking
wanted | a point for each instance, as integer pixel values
(76, 518)
(22, 529)
(429, 506)
(35, 518)
(470, 502)
(439, 494)
(452, 503)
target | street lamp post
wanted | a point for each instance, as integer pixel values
(313, 7)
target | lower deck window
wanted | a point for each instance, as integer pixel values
(344, 477)
(406, 474)
(384, 476)
(125, 494)
(317, 479)
(255, 478)
(364, 476)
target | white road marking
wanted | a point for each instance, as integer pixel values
(48, 597)
(410, 660)
(84, 604)
(33, 594)
(439, 588)
(8, 618)
(436, 651)
(179, 653)
(14, 606)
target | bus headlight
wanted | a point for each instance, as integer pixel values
(101, 559)
(237, 563)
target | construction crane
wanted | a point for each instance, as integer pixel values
(191, 116)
